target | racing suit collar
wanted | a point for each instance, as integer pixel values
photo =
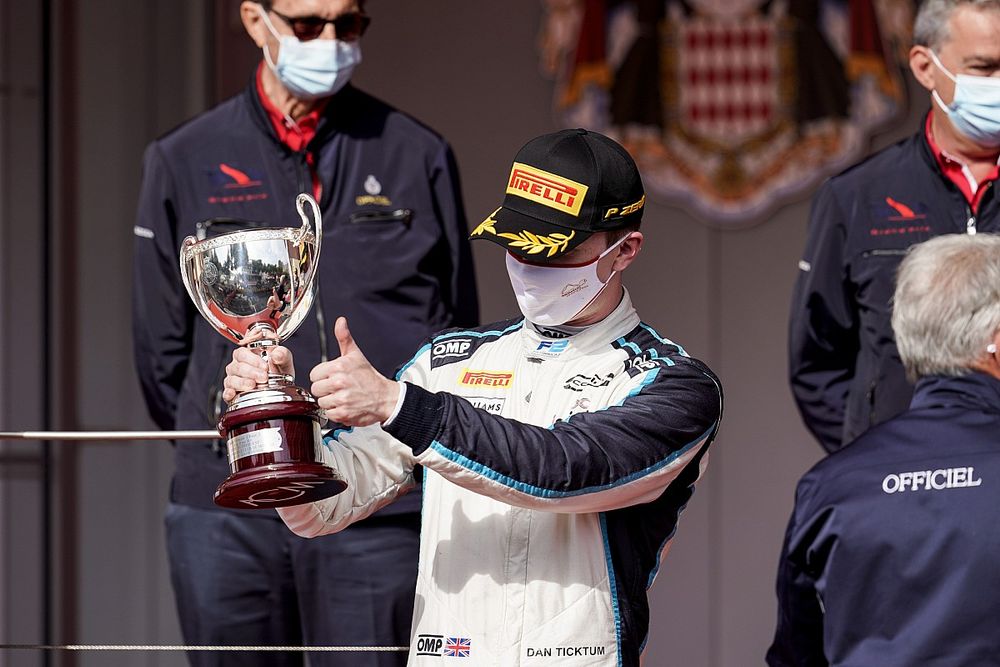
(592, 339)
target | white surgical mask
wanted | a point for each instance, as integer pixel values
(553, 295)
(314, 69)
(975, 109)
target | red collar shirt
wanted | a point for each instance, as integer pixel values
(296, 134)
(959, 173)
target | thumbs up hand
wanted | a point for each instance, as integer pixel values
(349, 388)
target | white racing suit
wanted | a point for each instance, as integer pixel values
(554, 472)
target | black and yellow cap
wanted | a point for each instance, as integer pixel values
(562, 188)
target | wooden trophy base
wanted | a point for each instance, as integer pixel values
(275, 451)
(279, 485)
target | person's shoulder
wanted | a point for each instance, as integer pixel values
(458, 344)
(646, 342)
(890, 163)
(480, 334)
(866, 459)
(648, 349)
(391, 122)
(214, 124)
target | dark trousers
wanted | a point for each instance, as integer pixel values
(246, 580)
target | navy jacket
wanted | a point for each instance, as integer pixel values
(395, 258)
(845, 371)
(891, 554)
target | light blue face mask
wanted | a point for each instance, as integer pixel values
(975, 110)
(314, 69)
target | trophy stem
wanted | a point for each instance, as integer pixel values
(267, 338)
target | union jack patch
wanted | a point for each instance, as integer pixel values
(458, 647)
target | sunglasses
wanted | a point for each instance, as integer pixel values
(347, 27)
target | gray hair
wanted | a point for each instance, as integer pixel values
(931, 26)
(946, 308)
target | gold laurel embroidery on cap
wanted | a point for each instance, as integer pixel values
(535, 244)
(487, 225)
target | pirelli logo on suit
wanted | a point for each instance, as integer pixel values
(547, 189)
(496, 379)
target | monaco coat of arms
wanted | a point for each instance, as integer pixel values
(730, 107)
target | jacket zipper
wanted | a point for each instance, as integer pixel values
(970, 224)
(317, 301)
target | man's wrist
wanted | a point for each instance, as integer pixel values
(397, 403)
(418, 421)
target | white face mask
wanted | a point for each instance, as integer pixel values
(314, 69)
(554, 295)
(975, 109)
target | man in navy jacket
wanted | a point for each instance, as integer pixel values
(395, 260)
(845, 372)
(891, 553)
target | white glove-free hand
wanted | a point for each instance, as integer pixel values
(349, 388)
(247, 369)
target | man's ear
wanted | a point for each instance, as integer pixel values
(989, 363)
(628, 251)
(253, 23)
(922, 66)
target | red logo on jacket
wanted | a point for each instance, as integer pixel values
(226, 178)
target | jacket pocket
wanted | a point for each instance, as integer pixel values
(885, 252)
(378, 250)
(401, 215)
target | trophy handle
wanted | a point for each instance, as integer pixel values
(185, 244)
(317, 225)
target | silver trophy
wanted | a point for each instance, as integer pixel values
(255, 287)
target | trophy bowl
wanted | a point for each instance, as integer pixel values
(255, 287)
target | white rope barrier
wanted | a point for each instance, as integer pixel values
(109, 435)
(169, 647)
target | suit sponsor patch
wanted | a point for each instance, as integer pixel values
(552, 348)
(581, 382)
(492, 404)
(443, 646)
(451, 350)
(641, 363)
(497, 379)
(430, 645)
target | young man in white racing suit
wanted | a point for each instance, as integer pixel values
(557, 450)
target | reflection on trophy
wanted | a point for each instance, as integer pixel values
(255, 287)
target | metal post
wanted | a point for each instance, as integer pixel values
(48, 175)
